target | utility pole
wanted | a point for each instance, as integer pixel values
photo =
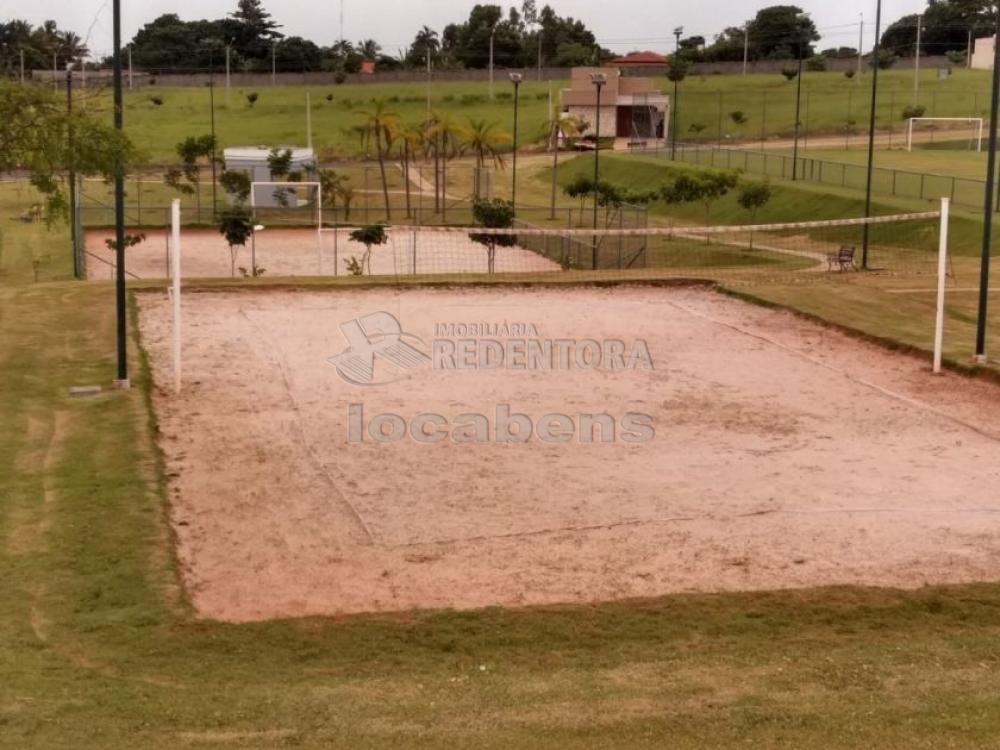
(228, 48)
(427, 52)
(516, 78)
(598, 79)
(211, 108)
(746, 46)
(984, 263)
(274, 63)
(861, 44)
(673, 104)
(119, 171)
(798, 110)
(77, 266)
(309, 127)
(968, 51)
(130, 67)
(22, 67)
(492, 32)
(871, 134)
(916, 63)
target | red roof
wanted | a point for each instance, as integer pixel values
(640, 58)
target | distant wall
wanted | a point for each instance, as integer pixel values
(261, 80)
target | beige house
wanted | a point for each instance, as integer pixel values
(982, 53)
(631, 108)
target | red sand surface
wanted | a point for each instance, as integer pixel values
(785, 455)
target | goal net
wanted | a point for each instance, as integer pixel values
(966, 132)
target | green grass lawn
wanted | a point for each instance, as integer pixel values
(832, 104)
(98, 647)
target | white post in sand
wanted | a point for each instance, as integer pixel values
(175, 287)
(942, 274)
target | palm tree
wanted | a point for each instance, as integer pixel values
(427, 40)
(445, 135)
(570, 127)
(411, 140)
(379, 127)
(369, 49)
(483, 138)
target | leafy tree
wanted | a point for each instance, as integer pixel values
(370, 235)
(192, 151)
(816, 63)
(411, 140)
(236, 184)
(484, 139)
(236, 225)
(677, 69)
(789, 73)
(703, 186)
(379, 128)
(252, 98)
(131, 240)
(256, 32)
(569, 127)
(579, 187)
(444, 140)
(493, 213)
(752, 197)
(946, 25)
(34, 138)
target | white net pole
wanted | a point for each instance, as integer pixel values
(942, 272)
(175, 262)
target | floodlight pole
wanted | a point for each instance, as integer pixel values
(798, 109)
(673, 105)
(861, 44)
(598, 79)
(871, 135)
(746, 46)
(515, 78)
(916, 64)
(77, 266)
(119, 172)
(211, 107)
(991, 159)
(492, 32)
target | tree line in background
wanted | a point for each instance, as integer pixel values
(783, 32)
(522, 37)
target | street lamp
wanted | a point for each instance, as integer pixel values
(515, 78)
(598, 79)
(798, 110)
(984, 263)
(492, 32)
(676, 76)
(871, 134)
(253, 248)
(122, 381)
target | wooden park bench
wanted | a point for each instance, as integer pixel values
(842, 260)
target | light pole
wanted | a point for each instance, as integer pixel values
(746, 46)
(119, 171)
(211, 107)
(798, 109)
(916, 63)
(871, 134)
(861, 43)
(676, 75)
(598, 79)
(492, 32)
(515, 78)
(77, 265)
(984, 263)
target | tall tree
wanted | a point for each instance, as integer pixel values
(257, 32)
(378, 129)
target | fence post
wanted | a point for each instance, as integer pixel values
(942, 272)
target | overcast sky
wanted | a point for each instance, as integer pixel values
(621, 26)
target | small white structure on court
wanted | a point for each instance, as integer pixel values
(253, 161)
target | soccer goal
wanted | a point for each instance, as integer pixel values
(913, 124)
(281, 211)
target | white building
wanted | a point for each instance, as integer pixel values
(631, 107)
(982, 53)
(253, 161)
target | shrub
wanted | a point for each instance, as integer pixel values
(156, 100)
(469, 99)
(816, 63)
(913, 110)
(252, 98)
(329, 97)
(738, 117)
(955, 57)
(849, 73)
(339, 77)
(789, 73)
